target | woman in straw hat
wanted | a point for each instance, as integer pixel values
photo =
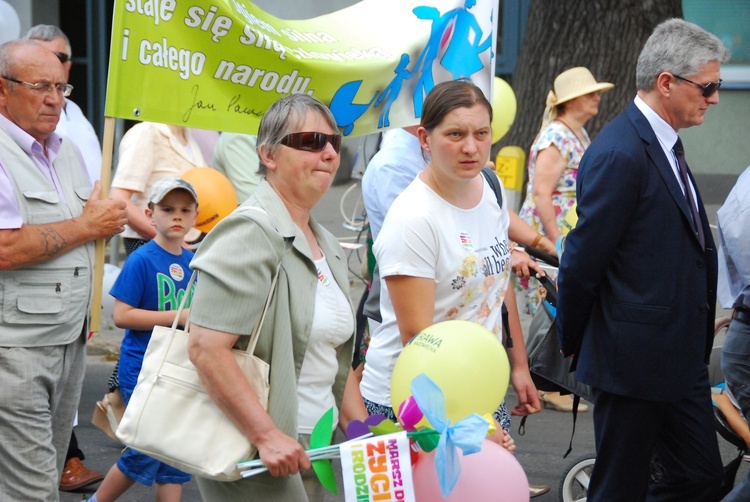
(553, 169)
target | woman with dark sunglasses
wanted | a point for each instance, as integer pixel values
(307, 336)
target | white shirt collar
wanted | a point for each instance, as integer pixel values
(666, 135)
(664, 132)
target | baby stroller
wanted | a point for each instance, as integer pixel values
(549, 369)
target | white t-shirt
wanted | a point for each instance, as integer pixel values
(464, 250)
(332, 325)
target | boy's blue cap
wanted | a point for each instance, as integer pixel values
(161, 188)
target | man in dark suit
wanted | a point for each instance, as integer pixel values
(637, 283)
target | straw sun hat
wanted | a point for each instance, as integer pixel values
(569, 85)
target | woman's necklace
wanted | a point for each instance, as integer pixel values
(578, 134)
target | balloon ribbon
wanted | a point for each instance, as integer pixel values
(467, 434)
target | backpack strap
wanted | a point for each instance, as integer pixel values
(494, 182)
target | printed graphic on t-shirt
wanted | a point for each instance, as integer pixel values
(487, 263)
(323, 278)
(497, 260)
(169, 295)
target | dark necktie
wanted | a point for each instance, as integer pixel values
(697, 227)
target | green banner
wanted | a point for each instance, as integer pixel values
(219, 64)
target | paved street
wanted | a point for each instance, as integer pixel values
(540, 450)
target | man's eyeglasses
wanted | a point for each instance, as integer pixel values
(708, 89)
(64, 58)
(312, 141)
(43, 87)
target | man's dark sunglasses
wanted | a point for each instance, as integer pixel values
(64, 58)
(312, 141)
(708, 89)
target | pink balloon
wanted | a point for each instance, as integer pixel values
(492, 474)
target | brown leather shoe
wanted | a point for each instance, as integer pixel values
(76, 475)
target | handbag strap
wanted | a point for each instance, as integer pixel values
(250, 349)
(174, 323)
(184, 301)
(256, 332)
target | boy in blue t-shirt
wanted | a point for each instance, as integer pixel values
(150, 286)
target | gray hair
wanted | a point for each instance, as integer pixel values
(47, 33)
(284, 117)
(678, 47)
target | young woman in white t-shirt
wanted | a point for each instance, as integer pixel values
(443, 251)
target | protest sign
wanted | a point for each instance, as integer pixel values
(219, 64)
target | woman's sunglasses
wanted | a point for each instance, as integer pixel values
(312, 141)
(708, 89)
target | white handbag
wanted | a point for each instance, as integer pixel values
(170, 417)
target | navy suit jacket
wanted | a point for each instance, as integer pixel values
(637, 292)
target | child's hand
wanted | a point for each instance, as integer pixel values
(508, 443)
(503, 439)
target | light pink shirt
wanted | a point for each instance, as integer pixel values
(10, 214)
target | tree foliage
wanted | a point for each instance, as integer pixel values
(605, 36)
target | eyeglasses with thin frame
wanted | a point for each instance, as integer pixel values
(64, 58)
(708, 89)
(43, 87)
(312, 141)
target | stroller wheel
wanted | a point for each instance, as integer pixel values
(575, 483)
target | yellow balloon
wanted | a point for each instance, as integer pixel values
(216, 196)
(503, 109)
(464, 359)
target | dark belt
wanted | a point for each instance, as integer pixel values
(741, 315)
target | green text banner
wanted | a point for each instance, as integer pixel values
(219, 64)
